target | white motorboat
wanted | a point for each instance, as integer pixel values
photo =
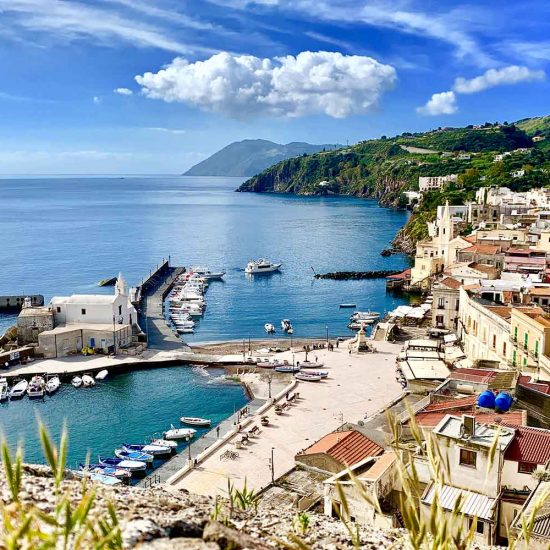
(3, 389)
(179, 433)
(307, 377)
(88, 381)
(286, 325)
(172, 445)
(256, 267)
(365, 316)
(269, 328)
(36, 387)
(52, 385)
(194, 421)
(206, 273)
(185, 330)
(311, 365)
(76, 381)
(152, 449)
(102, 374)
(19, 389)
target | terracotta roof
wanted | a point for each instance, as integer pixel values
(529, 445)
(511, 418)
(542, 291)
(451, 283)
(470, 238)
(489, 269)
(502, 311)
(542, 387)
(469, 375)
(488, 249)
(347, 447)
(449, 404)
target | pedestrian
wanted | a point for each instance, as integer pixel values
(218, 432)
(316, 358)
(337, 342)
(349, 351)
(287, 396)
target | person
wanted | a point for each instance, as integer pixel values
(316, 358)
(218, 432)
(287, 394)
(349, 351)
(337, 343)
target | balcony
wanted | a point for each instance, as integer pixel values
(513, 339)
(533, 354)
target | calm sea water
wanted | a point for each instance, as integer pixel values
(61, 236)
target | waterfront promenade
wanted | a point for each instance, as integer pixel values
(357, 386)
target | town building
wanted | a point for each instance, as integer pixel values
(446, 300)
(31, 321)
(430, 183)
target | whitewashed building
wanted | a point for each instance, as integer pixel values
(429, 183)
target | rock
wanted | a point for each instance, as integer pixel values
(230, 539)
(182, 543)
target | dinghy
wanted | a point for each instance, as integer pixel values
(172, 445)
(52, 385)
(88, 381)
(134, 455)
(307, 377)
(179, 433)
(76, 381)
(130, 465)
(321, 373)
(19, 389)
(288, 368)
(193, 421)
(310, 365)
(155, 450)
(102, 374)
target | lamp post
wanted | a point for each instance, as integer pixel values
(272, 466)
(189, 447)
(326, 326)
(269, 379)
(114, 336)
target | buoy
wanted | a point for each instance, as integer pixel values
(486, 400)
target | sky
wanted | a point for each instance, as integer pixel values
(154, 86)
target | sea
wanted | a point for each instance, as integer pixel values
(61, 235)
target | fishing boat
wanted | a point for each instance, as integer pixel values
(134, 455)
(308, 377)
(288, 368)
(310, 365)
(98, 478)
(347, 306)
(36, 387)
(76, 381)
(130, 465)
(321, 373)
(152, 449)
(205, 273)
(269, 328)
(19, 389)
(365, 316)
(272, 364)
(113, 471)
(52, 385)
(286, 325)
(3, 389)
(102, 374)
(192, 421)
(172, 445)
(179, 433)
(88, 381)
(262, 265)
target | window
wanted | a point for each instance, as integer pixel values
(58, 309)
(120, 310)
(467, 458)
(439, 321)
(526, 467)
(515, 334)
(440, 303)
(457, 303)
(494, 341)
(480, 525)
(83, 311)
(504, 349)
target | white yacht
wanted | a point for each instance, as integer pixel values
(205, 273)
(261, 266)
(269, 328)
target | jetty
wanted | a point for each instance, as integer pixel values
(354, 275)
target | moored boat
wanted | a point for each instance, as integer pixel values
(179, 433)
(347, 306)
(134, 455)
(195, 421)
(172, 445)
(76, 381)
(36, 387)
(152, 449)
(113, 471)
(365, 316)
(256, 267)
(286, 325)
(308, 377)
(88, 381)
(102, 374)
(19, 389)
(98, 478)
(288, 368)
(205, 273)
(130, 465)
(269, 328)
(52, 385)
(321, 373)
(3, 389)
(311, 365)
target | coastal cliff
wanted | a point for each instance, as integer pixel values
(385, 168)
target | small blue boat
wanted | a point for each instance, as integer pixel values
(120, 473)
(99, 478)
(130, 465)
(149, 448)
(134, 455)
(288, 369)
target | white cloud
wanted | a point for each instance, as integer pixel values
(96, 99)
(443, 103)
(496, 77)
(123, 91)
(175, 131)
(243, 86)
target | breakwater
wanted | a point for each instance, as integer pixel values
(355, 275)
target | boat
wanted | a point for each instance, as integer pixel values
(36, 387)
(308, 377)
(19, 389)
(256, 267)
(113, 471)
(347, 306)
(102, 374)
(311, 365)
(286, 325)
(88, 381)
(172, 445)
(179, 433)
(289, 368)
(3, 389)
(365, 316)
(76, 381)
(269, 328)
(192, 421)
(185, 330)
(152, 449)
(99, 478)
(272, 364)
(321, 373)
(52, 385)
(134, 455)
(130, 465)
(108, 282)
(205, 273)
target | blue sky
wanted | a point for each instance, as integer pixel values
(122, 86)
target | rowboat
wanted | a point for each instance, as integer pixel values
(310, 365)
(179, 433)
(307, 377)
(99, 478)
(172, 445)
(3, 389)
(193, 421)
(343, 306)
(19, 389)
(134, 455)
(102, 374)
(52, 385)
(88, 381)
(321, 373)
(76, 381)
(113, 471)
(152, 449)
(290, 369)
(130, 465)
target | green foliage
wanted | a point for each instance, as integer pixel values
(244, 498)
(68, 526)
(302, 522)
